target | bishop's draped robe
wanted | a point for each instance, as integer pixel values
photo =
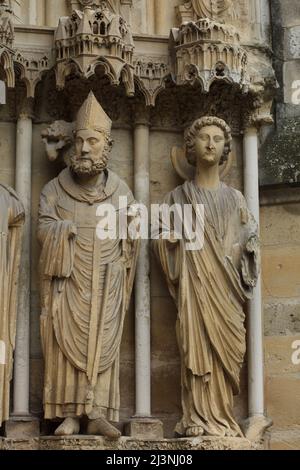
(210, 286)
(85, 292)
(11, 222)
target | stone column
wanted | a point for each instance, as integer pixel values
(150, 17)
(2, 92)
(55, 9)
(22, 424)
(257, 421)
(161, 17)
(142, 283)
(32, 12)
(142, 425)
(41, 13)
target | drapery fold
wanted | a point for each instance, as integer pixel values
(85, 291)
(11, 229)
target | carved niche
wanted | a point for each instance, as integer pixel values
(96, 35)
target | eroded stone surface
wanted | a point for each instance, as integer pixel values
(98, 443)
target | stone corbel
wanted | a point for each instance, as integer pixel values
(260, 112)
(151, 74)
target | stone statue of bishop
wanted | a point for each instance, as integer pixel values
(86, 283)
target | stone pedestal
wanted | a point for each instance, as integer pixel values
(127, 443)
(145, 428)
(22, 428)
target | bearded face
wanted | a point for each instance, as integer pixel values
(91, 153)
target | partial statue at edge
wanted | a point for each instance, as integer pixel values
(11, 220)
(213, 9)
(86, 283)
(210, 285)
(113, 5)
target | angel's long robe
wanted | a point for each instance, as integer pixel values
(11, 222)
(85, 292)
(210, 286)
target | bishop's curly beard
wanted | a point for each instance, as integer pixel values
(83, 165)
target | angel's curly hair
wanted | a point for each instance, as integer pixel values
(196, 127)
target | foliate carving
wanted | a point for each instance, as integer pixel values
(6, 43)
(150, 74)
(206, 51)
(98, 35)
(31, 66)
(59, 140)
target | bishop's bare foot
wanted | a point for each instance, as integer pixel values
(194, 431)
(68, 427)
(101, 427)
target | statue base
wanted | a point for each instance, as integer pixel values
(255, 427)
(22, 427)
(128, 443)
(145, 428)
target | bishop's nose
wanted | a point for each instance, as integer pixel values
(85, 148)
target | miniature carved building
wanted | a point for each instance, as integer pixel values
(91, 37)
(207, 51)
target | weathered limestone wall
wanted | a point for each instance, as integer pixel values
(281, 162)
(280, 225)
(148, 16)
(280, 232)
